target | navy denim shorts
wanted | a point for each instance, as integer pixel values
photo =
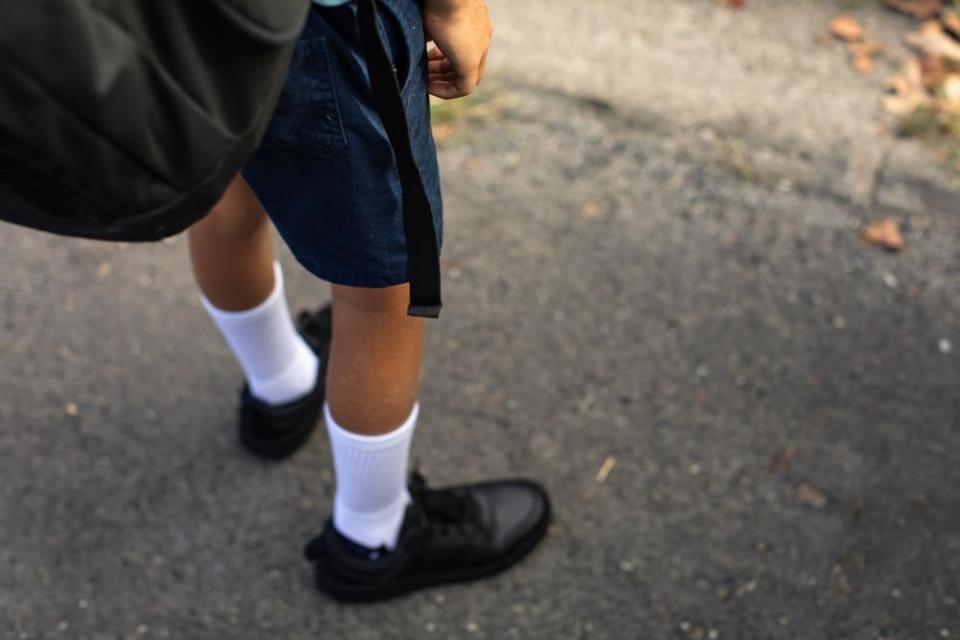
(325, 171)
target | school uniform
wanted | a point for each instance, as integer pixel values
(326, 171)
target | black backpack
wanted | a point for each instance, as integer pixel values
(126, 119)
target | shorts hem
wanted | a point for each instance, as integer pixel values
(361, 280)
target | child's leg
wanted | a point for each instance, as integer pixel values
(232, 253)
(372, 381)
(374, 370)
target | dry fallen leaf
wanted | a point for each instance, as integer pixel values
(951, 20)
(923, 9)
(899, 86)
(913, 72)
(904, 105)
(862, 55)
(602, 474)
(605, 469)
(885, 233)
(866, 48)
(846, 28)
(933, 70)
(932, 40)
(950, 94)
(810, 495)
(862, 64)
(951, 87)
(909, 91)
(591, 210)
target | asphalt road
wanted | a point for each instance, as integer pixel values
(683, 302)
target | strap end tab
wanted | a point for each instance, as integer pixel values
(424, 310)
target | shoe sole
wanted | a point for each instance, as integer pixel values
(352, 593)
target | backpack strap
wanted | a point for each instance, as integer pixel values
(423, 255)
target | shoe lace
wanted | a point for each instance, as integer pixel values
(445, 513)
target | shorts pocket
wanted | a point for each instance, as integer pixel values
(307, 118)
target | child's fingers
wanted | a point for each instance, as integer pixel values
(441, 65)
(467, 81)
(448, 76)
(453, 84)
(445, 90)
(452, 81)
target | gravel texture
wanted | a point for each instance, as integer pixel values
(676, 303)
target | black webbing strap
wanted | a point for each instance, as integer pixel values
(423, 256)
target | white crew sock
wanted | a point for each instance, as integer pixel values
(280, 367)
(372, 495)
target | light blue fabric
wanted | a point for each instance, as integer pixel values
(331, 3)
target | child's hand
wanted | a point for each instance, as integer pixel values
(460, 31)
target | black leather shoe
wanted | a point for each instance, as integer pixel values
(448, 535)
(278, 431)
